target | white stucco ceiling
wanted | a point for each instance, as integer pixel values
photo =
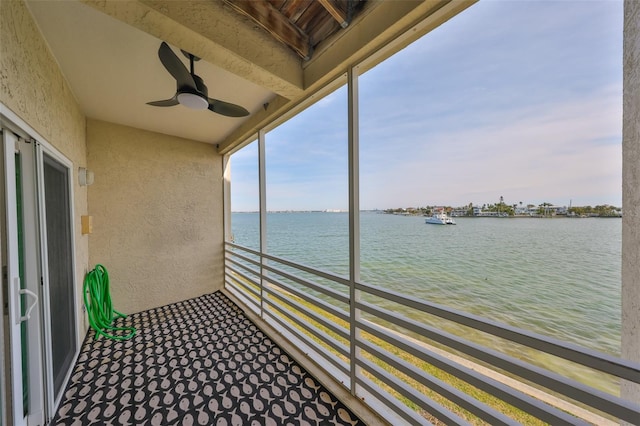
(113, 70)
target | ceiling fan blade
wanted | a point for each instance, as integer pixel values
(176, 68)
(166, 103)
(225, 108)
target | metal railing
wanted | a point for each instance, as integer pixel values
(411, 368)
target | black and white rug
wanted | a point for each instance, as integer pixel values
(196, 362)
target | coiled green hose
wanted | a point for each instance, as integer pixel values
(100, 310)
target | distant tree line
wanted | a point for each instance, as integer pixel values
(602, 211)
(504, 209)
(411, 210)
(500, 207)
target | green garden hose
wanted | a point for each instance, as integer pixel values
(97, 299)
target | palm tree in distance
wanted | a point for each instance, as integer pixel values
(544, 209)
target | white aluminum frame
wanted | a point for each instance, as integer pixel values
(274, 291)
(13, 279)
(262, 183)
(354, 222)
(32, 278)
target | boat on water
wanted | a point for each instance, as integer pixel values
(439, 217)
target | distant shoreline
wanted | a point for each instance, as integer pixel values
(559, 216)
(516, 216)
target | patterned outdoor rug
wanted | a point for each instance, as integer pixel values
(200, 361)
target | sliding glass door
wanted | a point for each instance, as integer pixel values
(39, 284)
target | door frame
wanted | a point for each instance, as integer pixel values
(11, 122)
(32, 273)
(41, 150)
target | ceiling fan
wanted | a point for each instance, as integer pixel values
(191, 90)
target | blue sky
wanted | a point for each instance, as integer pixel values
(521, 99)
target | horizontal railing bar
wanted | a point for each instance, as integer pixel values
(320, 350)
(230, 255)
(321, 335)
(241, 288)
(597, 399)
(245, 284)
(323, 321)
(312, 299)
(406, 390)
(327, 291)
(243, 297)
(456, 396)
(324, 274)
(243, 248)
(322, 289)
(246, 277)
(625, 369)
(390, 401)
(511, 396)
(243, 266)
(318, 272)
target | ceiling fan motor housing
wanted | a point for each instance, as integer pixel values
(195, 99)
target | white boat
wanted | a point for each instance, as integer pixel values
(439, 217)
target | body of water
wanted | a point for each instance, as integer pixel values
(559, 277)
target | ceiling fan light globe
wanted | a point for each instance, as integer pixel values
(193, 101)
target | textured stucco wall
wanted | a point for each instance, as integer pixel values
(33, 88)
(157, 215)
(631, 193)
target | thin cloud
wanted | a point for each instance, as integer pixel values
(539, 150)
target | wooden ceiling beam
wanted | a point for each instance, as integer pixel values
(278, 25)
(293, 9)
(333, 9)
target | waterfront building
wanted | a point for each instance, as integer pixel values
(460, 212)
(91, 174)
(521, 210)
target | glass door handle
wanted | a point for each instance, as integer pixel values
(27, 315)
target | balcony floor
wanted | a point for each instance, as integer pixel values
(200, 361)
